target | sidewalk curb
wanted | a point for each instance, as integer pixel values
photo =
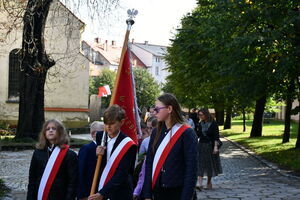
(28, 147)
(263, 161)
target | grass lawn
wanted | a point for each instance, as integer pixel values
(270, 144)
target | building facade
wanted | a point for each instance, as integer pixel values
(153, 57)
(105, 54)
(67, 86)
(281, 114)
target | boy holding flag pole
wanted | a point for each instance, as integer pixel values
(117, 152)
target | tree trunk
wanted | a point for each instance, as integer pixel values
(298, 137)
(244, 120)
(287, 118)
(256, 130)
(220, 117)
(34, 66)
(227, 124)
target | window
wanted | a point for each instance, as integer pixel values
(157, 59)
(156, 71)
(13, 79)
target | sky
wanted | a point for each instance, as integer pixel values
(156, 21)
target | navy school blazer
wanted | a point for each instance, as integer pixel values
(87, 160)
(120, 185)
(180, 167)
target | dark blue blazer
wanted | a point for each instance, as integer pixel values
(180, 167)
(120, 186)
(87, 160)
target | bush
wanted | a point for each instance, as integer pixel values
(240, 117)
(5, 130)
(3, 189)
(4, 125)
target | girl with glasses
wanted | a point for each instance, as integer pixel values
(171, 163)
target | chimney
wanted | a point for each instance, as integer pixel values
(146, 43)
(105, 45)
(113, 43)
(132, 40)
(96, 40)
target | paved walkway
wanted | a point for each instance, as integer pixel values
(244, 177)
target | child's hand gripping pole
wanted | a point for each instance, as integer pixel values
(97, 169)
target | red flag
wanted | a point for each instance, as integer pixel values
(124, 96)
(104, 91)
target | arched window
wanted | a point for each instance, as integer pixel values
(13, 80)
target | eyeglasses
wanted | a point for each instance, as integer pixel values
(157, 109)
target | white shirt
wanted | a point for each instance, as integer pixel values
(110, 145)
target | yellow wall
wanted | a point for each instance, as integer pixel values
(67, 84)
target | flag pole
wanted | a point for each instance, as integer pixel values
(131, 13)
(97, 169)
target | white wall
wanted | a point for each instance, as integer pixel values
(162, 72)
(150, 61)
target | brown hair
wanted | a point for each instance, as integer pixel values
(113, 113)
(143, 125)
(62, 139)
(168, 100)
(207, 114)
(153, 121)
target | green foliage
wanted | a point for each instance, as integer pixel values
(184, 99)
(107, 77)
(240, 117)
(272, 105)
(4, 125)
(147, 90)
(5, 130)
(3, 189)
(231, 53)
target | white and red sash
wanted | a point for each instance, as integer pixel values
(164, 149)
(50, 171)
(114, 161)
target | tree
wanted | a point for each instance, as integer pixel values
(234, 52)
(34, 66)
(227, 124)
(295, 111)
(147, 90)
(35, 62)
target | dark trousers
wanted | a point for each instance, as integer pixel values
(167, 193)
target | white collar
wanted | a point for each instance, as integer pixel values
(51, 147)
(112, 139)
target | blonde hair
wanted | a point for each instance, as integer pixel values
(62, 135)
